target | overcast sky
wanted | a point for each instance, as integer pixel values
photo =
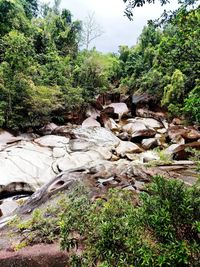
(118, 30)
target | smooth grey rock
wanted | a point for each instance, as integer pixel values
(52, 141)
(91, 122)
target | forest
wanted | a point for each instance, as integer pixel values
(44, 73)
(120, 187)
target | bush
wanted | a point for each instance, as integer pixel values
(163, 231)
(111, 231)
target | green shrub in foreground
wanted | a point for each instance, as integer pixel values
(163, 231)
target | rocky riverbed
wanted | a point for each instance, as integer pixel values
(130, 149)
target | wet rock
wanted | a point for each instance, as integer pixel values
(127, 147)
(149, 143)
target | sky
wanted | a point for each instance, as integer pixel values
(109, 14)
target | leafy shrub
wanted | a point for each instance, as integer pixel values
(192, 105)
(111, 231)
(163, 231)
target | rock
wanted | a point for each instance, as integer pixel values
(93, 113)
(146, 113)
(65, 130)
(179, 150)
(138, 129)
(124, 136)
(90, 122)
(98, 135)
(5, 136)
(110, 124)
(176, 133)
(29, 136)
(8, 138)
(108, 98)
(59, 152)
(149, 156)
(165, 123)
(148, 122)
(48, 128)
(120, 108)
(161, 140)
(177, 121)
(24, 167)
(144, 133)
(52, 141)
(191, 134)
(80, 145)
(127, 147)
(149, 143)
(162, 131)
(1, 213)
(133, 127)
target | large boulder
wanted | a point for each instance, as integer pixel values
(138, 129)
(179, 150)
(24, 167)
(99, 135)
(149, 143)
(178, 133)
(48, 128)
(52, 141)
(127, 147)
(120, 108)
(90, 122)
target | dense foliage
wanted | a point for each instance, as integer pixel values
(43, 73)
(163, 231)
(166, 63)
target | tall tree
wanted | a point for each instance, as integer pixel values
(91, 30)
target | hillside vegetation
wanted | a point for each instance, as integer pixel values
(43, 73)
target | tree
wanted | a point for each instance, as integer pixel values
(91, 30)
(131, 4)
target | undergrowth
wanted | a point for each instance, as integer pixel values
(111, 231)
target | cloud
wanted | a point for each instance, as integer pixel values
(109, 14)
